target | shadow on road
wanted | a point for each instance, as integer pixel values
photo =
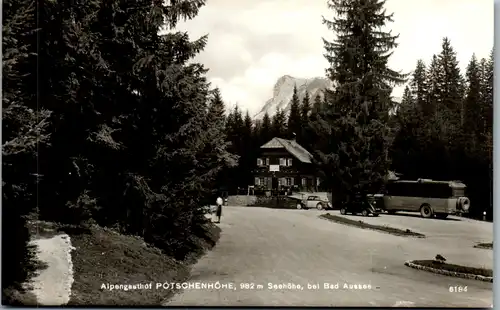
(418, 215)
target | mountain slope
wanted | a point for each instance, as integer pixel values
(283, 91)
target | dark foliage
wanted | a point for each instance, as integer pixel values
(351, 128)
(24, 129)
(135, 138)
(444, 126)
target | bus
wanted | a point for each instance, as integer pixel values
(430, 198)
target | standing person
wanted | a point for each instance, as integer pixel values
(218, 212)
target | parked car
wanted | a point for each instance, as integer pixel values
(360, 205)
(306, 202)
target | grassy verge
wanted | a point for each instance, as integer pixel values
(363, 225)
(488, 246)
(103, 256)
(454, 268)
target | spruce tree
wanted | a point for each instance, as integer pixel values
(452, 83)
(419, 88)
(215, 157)
(25, 127)
(406, 147)
(266, 132)
(278, 124)
(407, 104)
(247, 126)
(434, 81)
(472, 106)
(352, 127)
(130, 128)
(305, 108)
(294, 118)
(486, 69)
(318, 103)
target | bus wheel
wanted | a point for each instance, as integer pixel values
(426, 211)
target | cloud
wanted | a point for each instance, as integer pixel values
(254, 42)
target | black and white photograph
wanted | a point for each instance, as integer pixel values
(263, 153)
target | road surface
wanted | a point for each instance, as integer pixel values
(271, 247)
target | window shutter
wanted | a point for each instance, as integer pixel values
(257, 181)
(289, 162)
(292, 181)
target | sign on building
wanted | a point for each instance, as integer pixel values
(274, 168)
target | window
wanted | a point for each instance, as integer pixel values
(304, 181)
(260, 162)
(282, 162)
(458, 192)
(415, 189)
(289, 162)
(267, 161)
(289, 182)
(257, 181)
(280, 182)
(262, 181)
(317, 181)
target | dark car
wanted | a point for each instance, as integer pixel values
(360, 204)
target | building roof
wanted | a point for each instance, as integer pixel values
(292, 147)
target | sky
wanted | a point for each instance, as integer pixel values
(251, 43)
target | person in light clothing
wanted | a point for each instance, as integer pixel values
(218, 212)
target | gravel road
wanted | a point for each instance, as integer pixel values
(52, 285)
(295, 248)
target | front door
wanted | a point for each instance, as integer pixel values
(274, 183)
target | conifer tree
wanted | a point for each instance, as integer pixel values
(278, 124)
(294, 119)
(305, 108)
(352, 127)
(25, 127)
(247, 125)
(487, 68)
(419, 88)
(452, 83)
(266, 132)
(318, 103)
(130, 129)
(434, 83)
(472, 106)
(407, 105)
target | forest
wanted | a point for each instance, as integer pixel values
(107, 122)
(441, 130)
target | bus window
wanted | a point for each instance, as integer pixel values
(397, 189)
(458, 192)
(433, 190)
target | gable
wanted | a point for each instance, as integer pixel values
(292, 147)
(273, 144)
